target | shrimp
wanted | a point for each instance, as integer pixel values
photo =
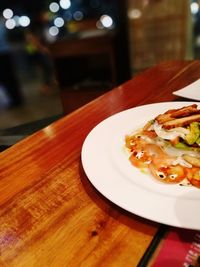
(161, 166)
(139, 156)
(147, 155)
(167, 173)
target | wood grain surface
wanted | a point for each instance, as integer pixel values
(50, 213)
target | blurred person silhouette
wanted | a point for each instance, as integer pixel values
(9, 83)
(39, 55)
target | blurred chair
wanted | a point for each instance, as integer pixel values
(85, 68)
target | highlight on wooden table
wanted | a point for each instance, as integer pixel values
(70, 196)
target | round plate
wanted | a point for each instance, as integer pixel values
(108, 168)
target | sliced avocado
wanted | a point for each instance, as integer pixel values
(181, 145)
(198, 141)
(193, 135)
(184, 146)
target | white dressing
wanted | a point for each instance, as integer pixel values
(170, 134)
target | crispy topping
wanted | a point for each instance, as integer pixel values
(179, 117)
(177, 113)
(180, 122)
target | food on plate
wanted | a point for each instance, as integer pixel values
(169, 146)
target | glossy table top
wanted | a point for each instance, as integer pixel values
(51, 215)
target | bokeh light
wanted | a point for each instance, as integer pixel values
(54, 7)
(59, 22)
(67, 15)
(53, 30)
(10, 24)
(16, 19)
(194, 8)
(8, 13)
(24, 21)
(65, 4)
(134, 14)
(78, 15)
(106, 21)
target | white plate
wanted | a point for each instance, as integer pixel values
(192, 91)
(107, 166)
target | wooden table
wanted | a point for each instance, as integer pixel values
(51, 215)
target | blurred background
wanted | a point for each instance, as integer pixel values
(56, 55)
